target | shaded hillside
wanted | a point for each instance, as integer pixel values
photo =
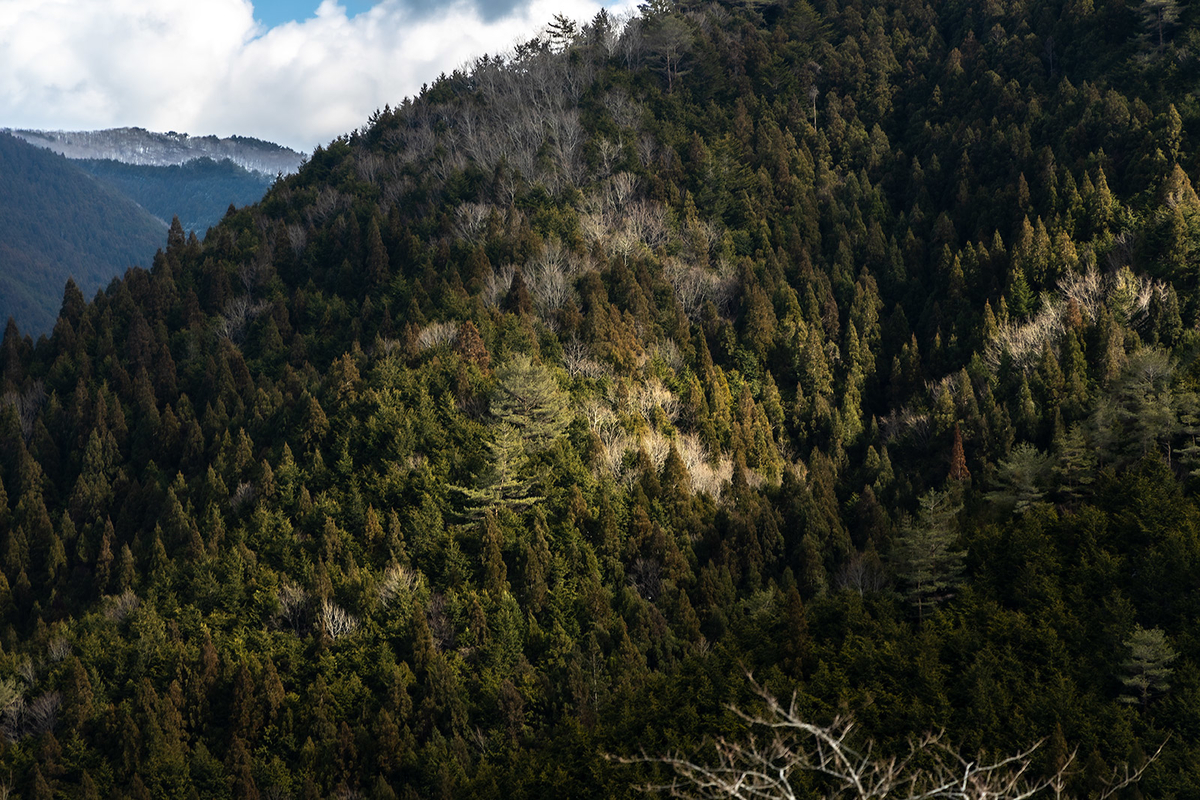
(59, 222)
(853, 347)
(199, 192)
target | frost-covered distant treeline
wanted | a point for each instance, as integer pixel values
(143, 147)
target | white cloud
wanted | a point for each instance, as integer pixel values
(208, 67)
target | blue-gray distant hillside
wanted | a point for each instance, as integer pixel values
(61, 222)
(198, 192)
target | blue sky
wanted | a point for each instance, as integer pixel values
(276, 12)
(295, 72)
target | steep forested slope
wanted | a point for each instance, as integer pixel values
(199, 192)
(60, 223)
(853, 346)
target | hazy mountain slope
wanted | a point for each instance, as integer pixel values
(199, 192)
(139, 146)
(60, 222)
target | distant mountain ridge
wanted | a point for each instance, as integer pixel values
(148, 148)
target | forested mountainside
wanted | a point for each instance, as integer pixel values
(199, 192)
(58, 223)
(850, 345)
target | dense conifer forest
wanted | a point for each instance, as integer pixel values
(849, 344)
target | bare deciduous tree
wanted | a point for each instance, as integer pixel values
(695, 287)
(118, 607)
(625, 111)
(436, 334)
(632, 44)
(654, 395)
(399, 582)
(647, 220)
(862, 575)
(242, 496)
(293, 606)
(647, 149)
(645, 577)
(783, 744)
(329, 203)
(470, 220)
(549, 277)
(368, 165)
(620, 189)
(497, 284)
(297, 238)
(578, 362)
(336, 621)
(1126, 295)
(20, 718)
(608, 153)
(237, 314)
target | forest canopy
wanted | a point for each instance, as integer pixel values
(852, 345)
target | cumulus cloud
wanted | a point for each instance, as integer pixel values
(208, 67)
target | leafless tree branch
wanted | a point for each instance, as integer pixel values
(783, 744)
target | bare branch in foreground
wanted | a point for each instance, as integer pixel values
(782, 746)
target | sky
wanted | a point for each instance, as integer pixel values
(288, 71)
